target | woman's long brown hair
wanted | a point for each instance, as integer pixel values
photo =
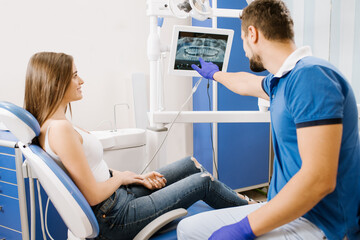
(47, 78)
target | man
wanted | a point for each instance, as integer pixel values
(315, 188)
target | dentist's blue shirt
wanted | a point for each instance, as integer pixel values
(308, 91)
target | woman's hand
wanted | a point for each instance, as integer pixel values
(127, 177)
(154, 180)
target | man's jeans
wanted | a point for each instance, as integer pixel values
(202, 225)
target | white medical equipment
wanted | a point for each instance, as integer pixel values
(201, 10)
(122, 146)
(189, 43)
(179, 9)
(65, 196)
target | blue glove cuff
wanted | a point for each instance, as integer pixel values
(211, 75)
(246, 229)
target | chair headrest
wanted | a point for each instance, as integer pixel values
(20, 122)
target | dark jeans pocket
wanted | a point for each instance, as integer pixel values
(103, 211)
(109, 203)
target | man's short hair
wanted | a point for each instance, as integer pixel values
(271, 17)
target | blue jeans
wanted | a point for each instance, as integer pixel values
(132, 207)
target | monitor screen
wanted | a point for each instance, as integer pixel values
(190, 43)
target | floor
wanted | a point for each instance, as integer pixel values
(257, 194)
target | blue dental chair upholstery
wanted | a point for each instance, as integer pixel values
(64, 194)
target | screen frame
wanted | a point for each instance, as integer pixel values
(173, 48)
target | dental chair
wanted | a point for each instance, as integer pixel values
(61, 190)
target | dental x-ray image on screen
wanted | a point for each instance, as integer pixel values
(190, 43)
(191, 46)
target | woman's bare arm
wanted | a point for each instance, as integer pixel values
(66, 143)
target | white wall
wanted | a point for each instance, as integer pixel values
(331, 28)
(108, 42)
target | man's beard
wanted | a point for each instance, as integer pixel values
(256, 65)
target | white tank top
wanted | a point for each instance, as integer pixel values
(93, 153)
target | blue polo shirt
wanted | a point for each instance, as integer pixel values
(308, 91)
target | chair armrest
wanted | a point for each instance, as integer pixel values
(159, 222)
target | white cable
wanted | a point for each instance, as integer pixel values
(172, 123)
(46, 213)
(41, 210)
(161, 83)
(41, 214)
(32, 209)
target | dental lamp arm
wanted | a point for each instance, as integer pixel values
(199, 11)
(229, 13)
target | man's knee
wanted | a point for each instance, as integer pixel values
(185, 229)
(193, 228)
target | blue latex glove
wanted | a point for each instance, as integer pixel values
(207, 70)
(239, 231)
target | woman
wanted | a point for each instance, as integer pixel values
(123, 202)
